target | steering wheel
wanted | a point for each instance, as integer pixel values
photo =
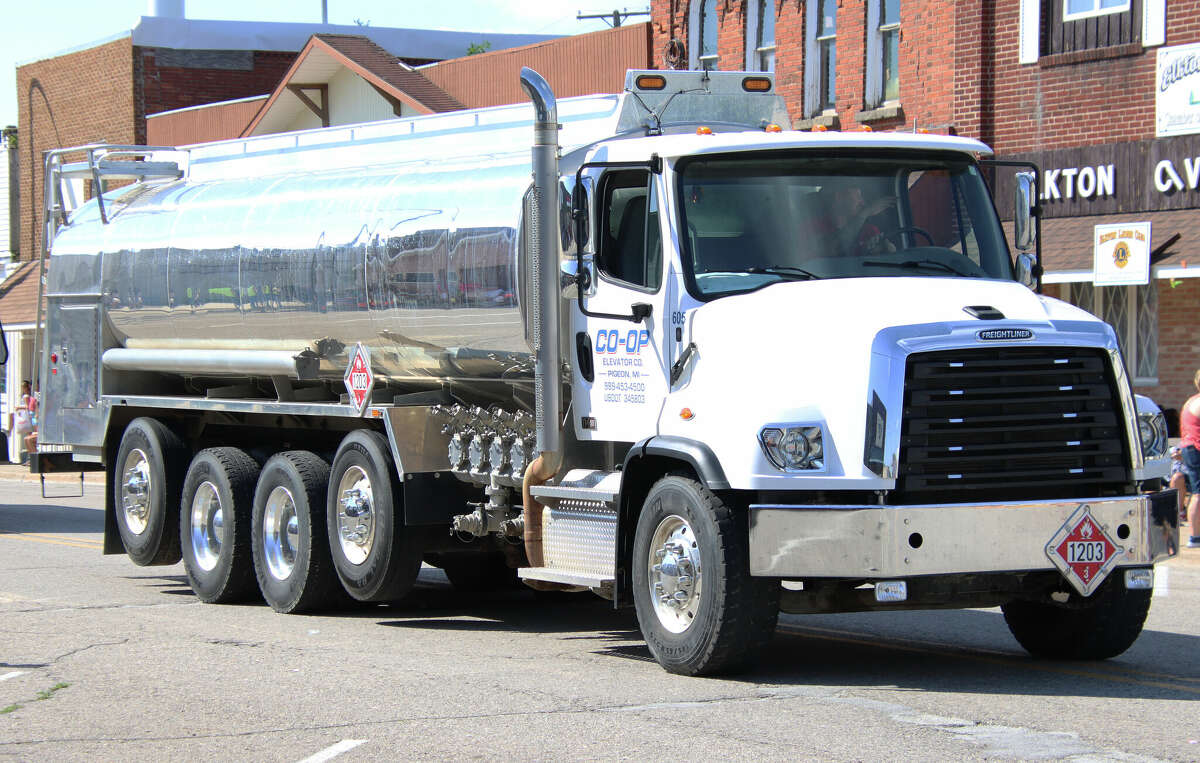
(894, 236)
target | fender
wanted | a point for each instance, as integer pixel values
(698, 455)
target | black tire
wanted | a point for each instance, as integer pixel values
(215, 515)
(376, 560)
(731, 619)
(291, 559)
(1097, 628)
(479, 573)
(147, 480)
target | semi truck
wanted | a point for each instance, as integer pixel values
(655, 344)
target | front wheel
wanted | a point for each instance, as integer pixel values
(1096, 628)
(699, 609)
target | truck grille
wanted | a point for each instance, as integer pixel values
(1011, 423)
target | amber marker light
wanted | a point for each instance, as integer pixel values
(650, 82)
(686, 414)
(818, 128)
(756, 84)
(702, 130)
(772, 128)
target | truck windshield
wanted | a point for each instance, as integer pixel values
(752, 220)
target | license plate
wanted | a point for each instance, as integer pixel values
(1083, 551)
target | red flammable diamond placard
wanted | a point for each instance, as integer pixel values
(1083, 551)
(359, 379)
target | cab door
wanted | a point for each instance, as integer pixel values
(620, 326)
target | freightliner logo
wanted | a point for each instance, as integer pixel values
(991, 335)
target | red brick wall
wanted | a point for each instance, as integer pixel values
(1056, 103)
(1178, 341)
(70, 100)
(172, 87)
(927, 57)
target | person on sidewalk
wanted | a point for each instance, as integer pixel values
(1189, 440)
(23, 418)
(1183, 481)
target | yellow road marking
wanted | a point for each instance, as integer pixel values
(73, 542)
(978, 655)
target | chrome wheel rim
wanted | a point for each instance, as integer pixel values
(281, 533)
(208, 526)
(674, 575)
(136, 485)
(355, 515)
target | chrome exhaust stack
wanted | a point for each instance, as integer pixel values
(544, 302)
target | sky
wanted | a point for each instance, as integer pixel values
(35, 29)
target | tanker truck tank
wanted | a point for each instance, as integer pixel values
(418, 264)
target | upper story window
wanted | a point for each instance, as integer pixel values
(883, 52)
(764, 37)
(704, 35)
(821, 43)
(1080, 9)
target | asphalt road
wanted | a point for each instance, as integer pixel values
(102, 660)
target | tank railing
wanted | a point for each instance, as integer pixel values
(100, 166)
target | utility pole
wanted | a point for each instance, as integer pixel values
(613, 19)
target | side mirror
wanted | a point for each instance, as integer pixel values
(1027, 270)
(1024, 235)
(3, 345)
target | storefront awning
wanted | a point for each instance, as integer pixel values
(1068, 244)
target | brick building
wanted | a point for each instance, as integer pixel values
(1078, 86)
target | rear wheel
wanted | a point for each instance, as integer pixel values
(1096, 628)
(291, 559)
(147, 480)
(376, 560)
(215, 517)
(699, 609)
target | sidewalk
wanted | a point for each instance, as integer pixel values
(19, 473)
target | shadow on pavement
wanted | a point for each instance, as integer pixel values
(49, 518)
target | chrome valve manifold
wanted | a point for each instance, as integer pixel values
(487, 443)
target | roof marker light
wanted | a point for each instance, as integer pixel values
(772, 128)
(702, 130)
(650, 82)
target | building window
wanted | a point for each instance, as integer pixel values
(706, 34)
(883, 53)
(1079, 9)
(1072, 25)
(761, 37)
(1132, 311)
(821, 82)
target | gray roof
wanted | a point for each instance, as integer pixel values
(208, 34)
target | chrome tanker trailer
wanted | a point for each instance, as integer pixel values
(659, 347)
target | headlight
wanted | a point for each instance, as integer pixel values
(1152, 426)
(793, 448)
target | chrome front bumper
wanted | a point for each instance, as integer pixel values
(802, 541)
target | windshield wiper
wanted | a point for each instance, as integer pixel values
(918, 265)
(784, 271)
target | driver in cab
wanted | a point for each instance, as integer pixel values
(845, 228)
